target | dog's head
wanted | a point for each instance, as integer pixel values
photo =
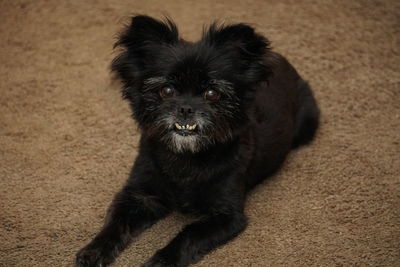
(190, 95)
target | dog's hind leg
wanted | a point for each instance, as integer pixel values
(307, 115)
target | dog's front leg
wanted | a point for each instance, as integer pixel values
(133, 210)
(197, 239)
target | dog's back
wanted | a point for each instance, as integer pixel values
(285, 116)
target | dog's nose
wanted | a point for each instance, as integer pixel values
(186, 110)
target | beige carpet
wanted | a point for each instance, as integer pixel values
(67, 141)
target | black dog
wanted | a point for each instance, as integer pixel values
(217, 117)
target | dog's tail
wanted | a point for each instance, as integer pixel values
(307, 115)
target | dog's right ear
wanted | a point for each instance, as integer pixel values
(142, 40)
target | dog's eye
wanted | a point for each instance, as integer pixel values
(211, 95)
(167, 91)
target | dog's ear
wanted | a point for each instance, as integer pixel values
(240, 41)
(142, 40)
(240, 36)
(145, 30)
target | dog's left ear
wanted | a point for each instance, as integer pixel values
(142, 41)
(240, 41)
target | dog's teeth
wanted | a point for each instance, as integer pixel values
(187, 127)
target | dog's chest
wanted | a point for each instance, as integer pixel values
(186, 170)
(196, 199)
(194, 187)
(196, 181)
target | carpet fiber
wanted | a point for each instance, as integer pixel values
(67, 141)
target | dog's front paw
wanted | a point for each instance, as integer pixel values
(158, 261)
(90, 256)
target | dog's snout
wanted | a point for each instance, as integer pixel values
(186, 110)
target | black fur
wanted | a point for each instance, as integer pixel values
(264, 110)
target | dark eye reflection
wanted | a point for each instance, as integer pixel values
(211, 95)
(167, 91)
